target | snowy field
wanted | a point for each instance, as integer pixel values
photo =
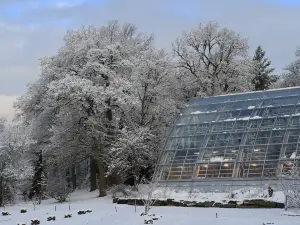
(107, 213)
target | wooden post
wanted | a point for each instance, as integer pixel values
(134, 205)
(69, 204)
(54, 208)
(285, 203)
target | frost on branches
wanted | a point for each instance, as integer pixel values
(102, 81)
(291, 74)
(15, 167)
(213, 61)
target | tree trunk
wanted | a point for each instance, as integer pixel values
(74, 180)
(93, 174)
(1, 192)
(101, 179)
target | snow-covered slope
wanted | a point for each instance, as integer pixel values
(104, 212)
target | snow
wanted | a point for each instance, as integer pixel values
(293, 156)
(197, 112)
(105, 212)
(251, 107)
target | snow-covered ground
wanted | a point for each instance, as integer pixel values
(239, 195)
(107, 213)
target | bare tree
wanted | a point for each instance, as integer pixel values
(147, 192)
(213, 59)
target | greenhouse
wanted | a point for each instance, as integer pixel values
(233, 138)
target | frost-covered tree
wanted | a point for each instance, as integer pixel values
(263, 77)
(291, 74)
(144, 123)
(87, 92)
(15, 166)
(212, 61)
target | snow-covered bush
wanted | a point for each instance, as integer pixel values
(68, 215)
(148, 194)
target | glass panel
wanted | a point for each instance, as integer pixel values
(254, 124)
(255, 169)
(207, 155)
(179, 157)
(215, 107)
(226, 170)
(201, 171)
(163, 172)
(177, 131)
(292, 100)
(259, 152)
(167, 157)
(295, 123)
(277, 136)
(175, 172)
(231, 154)
(296, 110)
(197, 142)
(240, 125)
(222, 140)
(192, 156)
(286, 111)
(273, 152)
(202, 128)
(286, 168)
(263, 137)
(245, 114)
(250, 138)
(196, 110)
(242, 169)
(235, 139)
(270, 169)
(246, 153)
(217, 128)
(187, 171)
(290, 151)
(189, 130)
(206, 118)
(182, 120)
(267, 103)
(277, 101)
(267, 123)
(281, 123)
(271, 112)
(293, 136)
(213, 170)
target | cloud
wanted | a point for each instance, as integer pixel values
(31, 29)
(6, 106)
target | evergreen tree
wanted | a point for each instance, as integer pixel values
(39, 179)
(263, 77)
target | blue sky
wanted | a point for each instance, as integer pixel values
(31, 29)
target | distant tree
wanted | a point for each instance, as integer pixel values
(291, 74)
(263, 77)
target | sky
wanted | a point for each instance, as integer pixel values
(31, 29)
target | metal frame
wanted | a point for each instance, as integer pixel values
(238, 105)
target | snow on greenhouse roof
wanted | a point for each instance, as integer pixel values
(272, 93)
